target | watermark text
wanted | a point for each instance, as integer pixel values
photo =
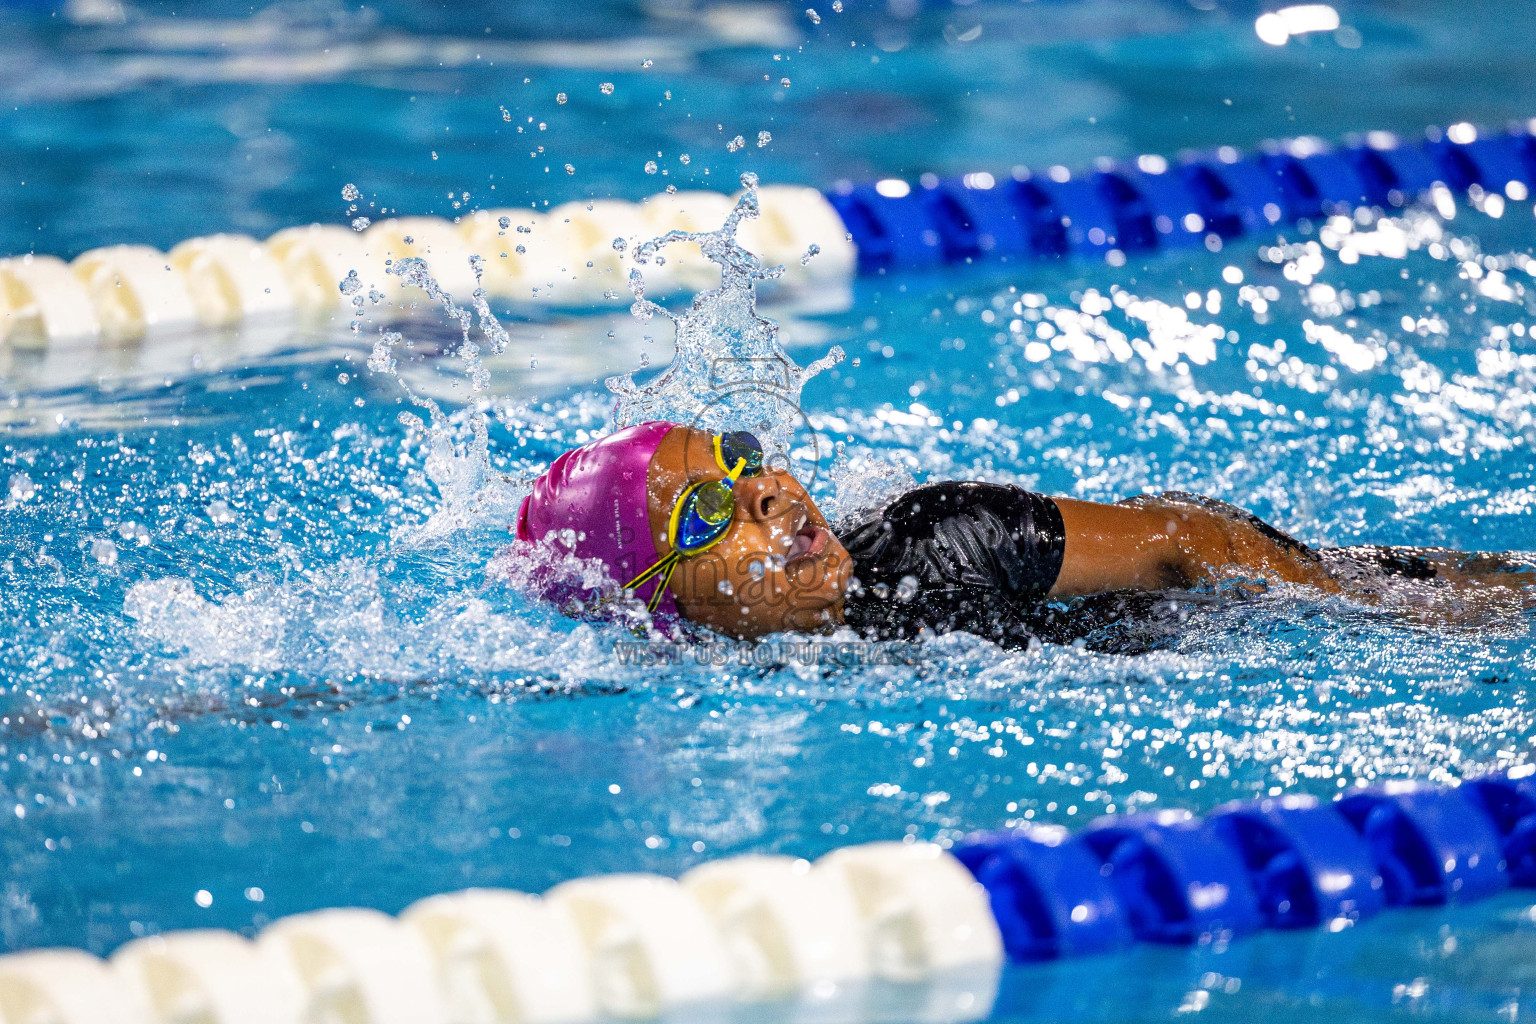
(764, 655)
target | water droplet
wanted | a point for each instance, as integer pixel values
(756, 570)
(504, 222)
(906, 589)
(784, 82)
(434, 154)
(607, 88)
(735, 144)
(220, 512)
(810, 12)
(506, 115)
(522, 249)
(685, 159)
(22, 487)
(837, 6)
(763, 138)
(560, 97)
(570, 169)
(650, 167)
(350, 284)
(619, 245)
(724, 586)
(350, 193)
(380, 360)
(104, 551)
(360, 223)
(811, 251)
(646, 63)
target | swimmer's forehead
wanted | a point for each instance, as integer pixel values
(684, 456)
(699, 451)
(685, 451)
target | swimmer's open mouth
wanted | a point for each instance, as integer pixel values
(809, 541)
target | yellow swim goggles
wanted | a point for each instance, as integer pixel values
(704, 511)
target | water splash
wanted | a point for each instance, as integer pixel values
(862, 480)
(461, 472)
(730, 371)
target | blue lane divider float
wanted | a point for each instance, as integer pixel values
(1282, 863)
(1205, 199)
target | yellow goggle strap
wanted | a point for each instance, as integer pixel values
(656, 567)
(661, 587)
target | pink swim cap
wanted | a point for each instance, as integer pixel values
(598, 492)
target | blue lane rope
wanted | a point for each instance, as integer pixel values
(1285, 863)
(1204, 200)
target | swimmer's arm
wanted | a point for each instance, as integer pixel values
(1154, 545)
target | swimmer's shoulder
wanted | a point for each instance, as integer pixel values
(967, 533)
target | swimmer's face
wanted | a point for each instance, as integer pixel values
(778, 568)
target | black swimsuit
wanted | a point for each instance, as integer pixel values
(950, 556)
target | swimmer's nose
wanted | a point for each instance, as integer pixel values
(760, 497)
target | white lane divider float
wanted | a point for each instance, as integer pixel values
(42, 302)
(433, 239)
(925, 917)
(316, 259)
(62, 986)
(231, 278)
(355, 966)
(793, 218)
(124, 293)
(506, 957)
(686, 268)
(514, 255)
(922, 910)
(651, 946)
(205, 977)
(791, 929)
(588, 269)
(745, 929)
(135, 290)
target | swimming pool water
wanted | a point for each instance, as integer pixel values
(254, 663)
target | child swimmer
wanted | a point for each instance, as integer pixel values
(694, 525)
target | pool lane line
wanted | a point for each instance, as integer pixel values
(1287, 862)
(810, 937)
(565, 257)
(1124, 209)
(562, 257)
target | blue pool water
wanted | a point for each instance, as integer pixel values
(253, 657)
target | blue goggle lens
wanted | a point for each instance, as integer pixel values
(705, 515)
(740, 446)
